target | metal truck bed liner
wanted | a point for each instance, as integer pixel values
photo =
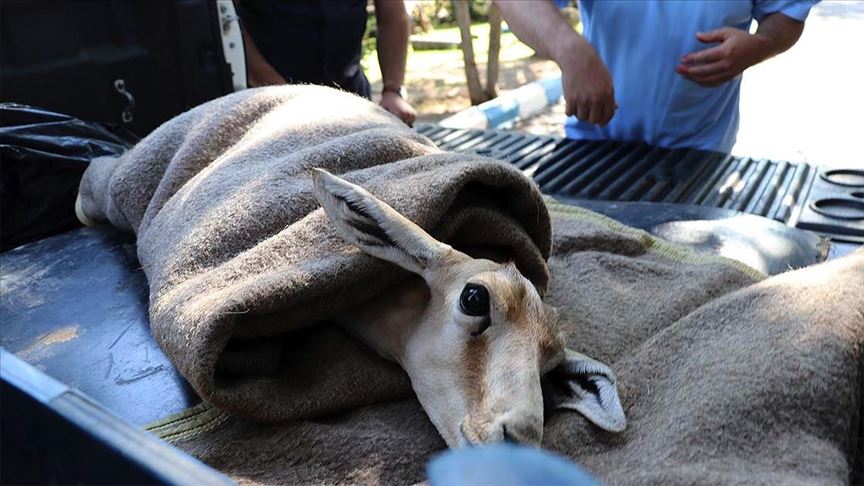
(830, 202)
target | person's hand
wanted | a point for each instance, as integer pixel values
(260, 73)
(587, 85)
(737, 50)
(394, 103)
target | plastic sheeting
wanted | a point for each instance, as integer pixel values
(42, 157)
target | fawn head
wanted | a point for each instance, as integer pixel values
(477, 353)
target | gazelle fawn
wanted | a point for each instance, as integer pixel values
(473, 335)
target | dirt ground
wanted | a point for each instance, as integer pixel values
(426, 92)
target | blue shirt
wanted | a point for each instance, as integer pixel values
(641, 42)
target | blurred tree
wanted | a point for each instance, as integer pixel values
(494, 50)
(476, 91)
(463, 18)
(422, 18)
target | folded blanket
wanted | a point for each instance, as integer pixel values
(241, 260)
(725, 377)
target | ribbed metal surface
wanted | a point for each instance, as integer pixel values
(619, 171)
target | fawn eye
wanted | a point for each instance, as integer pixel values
(474, 300)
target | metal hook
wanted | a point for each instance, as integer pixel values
(120, 87)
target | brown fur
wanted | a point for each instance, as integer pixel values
(551, 340)
(474, 361)
(527, 312)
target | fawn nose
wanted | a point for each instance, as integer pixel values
(522, 432)
(518, 428)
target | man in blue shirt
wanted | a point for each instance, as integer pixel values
(664, 72)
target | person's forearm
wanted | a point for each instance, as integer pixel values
(253, 55)
(259, 72)
(585, 81)
(392, 43)
(542, 27)
(778, 33)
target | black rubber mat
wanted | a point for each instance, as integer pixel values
(829, 202)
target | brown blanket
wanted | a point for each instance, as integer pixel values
(724, 376)
(238, 252)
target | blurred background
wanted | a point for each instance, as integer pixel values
(806, 105)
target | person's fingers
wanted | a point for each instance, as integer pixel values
(583, 111)
(717, 35)
(714, 81)
(400, 108)
(608, 112)
(570, 108)
(595, 112)
(702, 70)
(721, 76)
(710, 54)
(601, 110)
(710, 81)
(598, 111)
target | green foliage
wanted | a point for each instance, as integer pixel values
(479, 10)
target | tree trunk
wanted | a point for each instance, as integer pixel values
(463, 18)
(494, 49)
(422, 19)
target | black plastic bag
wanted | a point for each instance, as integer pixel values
(42, 157)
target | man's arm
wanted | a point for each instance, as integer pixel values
(587, 84)
(738, 50)
(393, 30)
(259, 72)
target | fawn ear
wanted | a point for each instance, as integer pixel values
(587, 386)
(373, 226)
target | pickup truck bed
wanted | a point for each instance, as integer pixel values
(74, 305)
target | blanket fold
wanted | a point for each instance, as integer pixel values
(725, 376)
(240, 258)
